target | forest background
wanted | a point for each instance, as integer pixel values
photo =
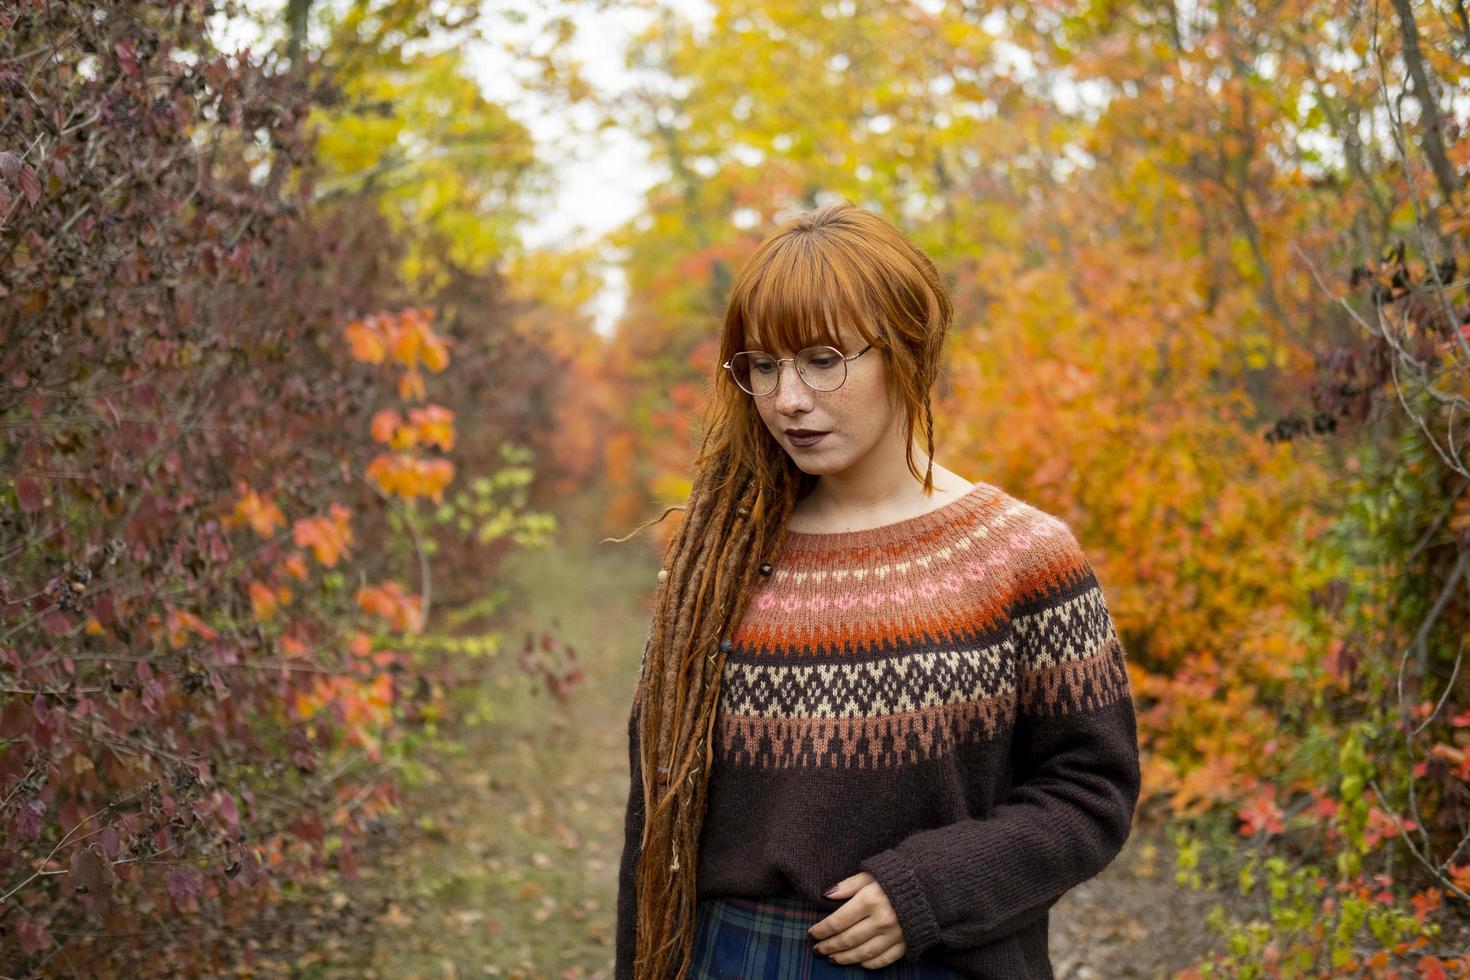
(285, 395)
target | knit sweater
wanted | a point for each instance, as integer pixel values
(942, 702)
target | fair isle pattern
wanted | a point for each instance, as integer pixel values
(896, 645)
(887, 686)
(1018, 525)
(896, 710)
(885, 694)
(1074, 660)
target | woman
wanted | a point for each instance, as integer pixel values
(882, 720)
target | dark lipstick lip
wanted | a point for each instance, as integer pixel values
(803, 433)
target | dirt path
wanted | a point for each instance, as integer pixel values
(507, 865)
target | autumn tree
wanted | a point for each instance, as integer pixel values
(223, 481)
(1166, 229)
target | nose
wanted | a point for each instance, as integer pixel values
(792, 393)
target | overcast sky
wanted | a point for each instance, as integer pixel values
(600, 177)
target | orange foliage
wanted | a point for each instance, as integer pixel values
(432, 425)
(262, 601)
(407, 336)
(183, 624)
(402, 610)
(410, 476)
(262, 515)
(328, 537)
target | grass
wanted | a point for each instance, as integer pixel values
(507, 863)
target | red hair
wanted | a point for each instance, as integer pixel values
(836, 264)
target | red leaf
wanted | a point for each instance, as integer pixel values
(28, 491)
(227, 810)
(92, 874)
(30, 185)
(28, 819)
(347, 862)
(125, 58)
(33, 935)
(104, 609)
(183, 885)
(1260, 813)
(1431, 968)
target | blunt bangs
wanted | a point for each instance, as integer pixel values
(799, 298)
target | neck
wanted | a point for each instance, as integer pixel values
(877, 488)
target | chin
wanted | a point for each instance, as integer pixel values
(818, 467)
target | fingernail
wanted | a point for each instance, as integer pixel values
(828, 892)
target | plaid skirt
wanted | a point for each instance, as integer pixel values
(766, 939)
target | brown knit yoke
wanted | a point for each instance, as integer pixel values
(941, 702)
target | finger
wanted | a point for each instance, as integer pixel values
(839, 921)
(893, 955)
(848, 885)
(848, 914)
(872, 949)
(854, 935)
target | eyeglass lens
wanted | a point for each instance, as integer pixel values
(824, 368)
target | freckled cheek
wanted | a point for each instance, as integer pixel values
(772, 420)
(857, 410)
(843, 411)
(852, 413)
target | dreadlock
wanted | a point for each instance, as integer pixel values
(745, 490)
(727, 520)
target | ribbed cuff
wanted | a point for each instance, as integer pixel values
(915, 917)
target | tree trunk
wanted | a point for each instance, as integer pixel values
(1431, 121)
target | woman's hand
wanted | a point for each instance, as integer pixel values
(864, 930)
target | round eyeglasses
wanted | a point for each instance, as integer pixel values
(822, 368)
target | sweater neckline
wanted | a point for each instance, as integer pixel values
(894, 532)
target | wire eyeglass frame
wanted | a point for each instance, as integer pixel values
(729, 366)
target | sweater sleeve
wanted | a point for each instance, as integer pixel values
(632, 843)
(1075, 749)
